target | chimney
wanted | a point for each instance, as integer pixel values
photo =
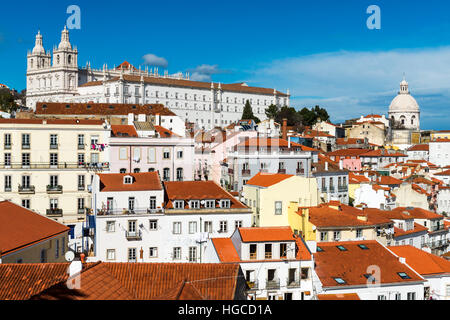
(285, 129)
(130, 119)
(341, 164)
(326, 166)
(75, 268)
(402, 260)
(289, 142)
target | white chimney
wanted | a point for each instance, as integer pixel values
(402, 260)
(75, 268)
(130, 119)
(326, 166)
(341, 164)
(289, 142)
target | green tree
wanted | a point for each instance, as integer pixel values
(248, 113)
(272, 111)
(7, 101)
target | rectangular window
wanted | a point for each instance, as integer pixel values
(53, 204)
(268, 251)
(81, 141)
(153, 252)
(110, 226)
(81, 205)
(178, 204)
(53, 181)
(151, 155)
(208, 226)
(192, 254)
(153, 225)
(323, 236)
(192, 227)
(176, 228)
(26, 141)
(53, 159)
(166, 154)
(81, 183)
(210, 204)
(180, 155)
(111, 254)
(359, 233)
(8, 183)
(283, 250)
(57, 249)
(411, 296)
(53, 141)
(194, 204)
(7, 159)
(25, 159)
(132, 255)
(223, 227)
(131, 201)
(337, 235)
(123, 154)
(26, 203)
(152, 203)
(237, 224)
(7, 141)
(176, 253)
(278, 207)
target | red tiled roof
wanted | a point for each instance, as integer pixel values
(346, 141)
(443, 173)
(198, 190)
(112, 182)
(165, 133)
(347, 153)
(22, 281)
(423, 262)
(100, 109)
(123, 131)
(125, 66)
(234, 87)
(225, 250)
(267, 234)
(341, 296)
(417, 229)
(356, 179)
(419, 213)
(268, 142)
(121, 281)
(388, 181)
(353, 264)
(382, 153)
(268, 179)
(373, 116)
(71, 122)
(20, 228)
(440, 140)
(420, 147)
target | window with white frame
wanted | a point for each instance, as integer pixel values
(359, 233)
(194, 204)
(132, 255)
(111, 254)
(278, 207)
(176, 228)
(178, 204)
(238, 224)
(110, 226)
(192, 227)
(192, 254)
(208, 227)
(153, 252)
(223, 227)
(337, 235)
(152, 205)
(176, 255)
(225, 203)
(153, 225)
(210, 204)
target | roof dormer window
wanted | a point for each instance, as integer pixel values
(194, 204)
(128, 180)
(178, 204)
(226, 204)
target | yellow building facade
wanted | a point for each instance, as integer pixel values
(270, 204)
(48, 165)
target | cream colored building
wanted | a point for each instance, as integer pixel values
(374, 132)
(47, 165)
(408, 197)
(269, 196)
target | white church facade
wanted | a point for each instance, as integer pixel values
(57, 78)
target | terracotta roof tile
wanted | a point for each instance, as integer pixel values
(145, 181)
(268, 179)
(165, 133)
(123, 131)
(100, 109)
(417, 229)
(20, 227)
(352, 265)
(343, 296)
(423, 262)
(266, 234)
(420, 147)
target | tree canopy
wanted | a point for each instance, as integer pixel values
(7, 101)
(248, 113)
(297, 119)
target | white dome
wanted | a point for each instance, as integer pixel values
(404, 102)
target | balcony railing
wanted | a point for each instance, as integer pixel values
(246, 172)
(343, 188)
(137, 211)
(81, 188)
(8, 189)
(133, 236)
(300, 171)
(53, 146)
(54, 189)
(61, 165)
(7, 147)
(273, 284)
(268, 255)
(81, 147)
(82, 211)
(27, 189)
(253, 256)
(293, 283)
(282, 171)
(332, 189)
(54, 212)
(26, 146)
(324, 189)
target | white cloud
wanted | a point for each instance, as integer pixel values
(155, 61)
(205, 72)
(351, 83)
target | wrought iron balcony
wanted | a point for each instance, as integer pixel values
(54, 189)
(26, 146)
(7, 147)
(246, 172)
(133, 236)
(343, 188)
(81, 146)
(54, 212)
(27, 189)
(300, 171)
(293, 283)
(273, 284)
(81, 188)
(282, 171)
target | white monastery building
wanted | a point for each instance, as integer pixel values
(57, 78)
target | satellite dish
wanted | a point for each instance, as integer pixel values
(203, 202)
(70, 256)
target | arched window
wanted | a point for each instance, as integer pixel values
(413, 118)
(69, 59)
(31, 63)
(137, 170)
(57, 59)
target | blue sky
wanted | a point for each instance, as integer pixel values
(321, 50)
